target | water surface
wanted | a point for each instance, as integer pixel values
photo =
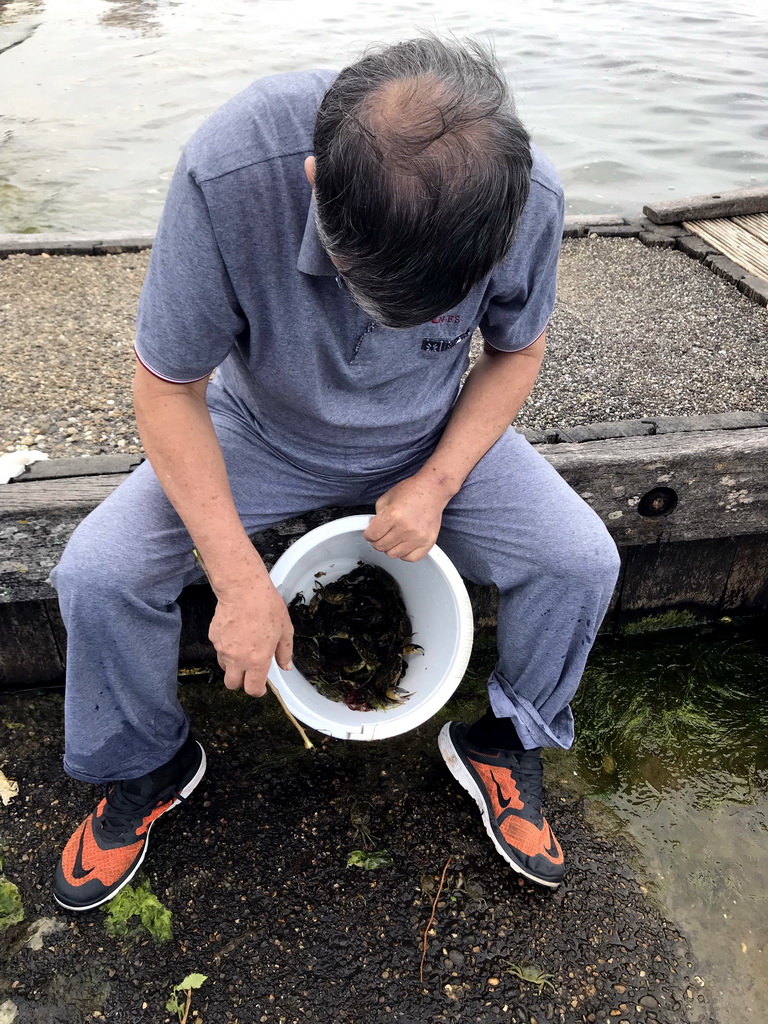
(632, 99)
(672, 744)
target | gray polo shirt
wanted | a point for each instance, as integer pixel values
(238, 279)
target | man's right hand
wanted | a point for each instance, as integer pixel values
(251, 625)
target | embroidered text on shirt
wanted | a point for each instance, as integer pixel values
(443, 344)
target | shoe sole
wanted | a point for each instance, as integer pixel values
(188, 788)
(458, 769)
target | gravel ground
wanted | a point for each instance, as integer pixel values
(255, 873)
(640, 332)
(66, 330)
(637, 332)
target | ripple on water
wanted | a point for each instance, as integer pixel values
(601, 172)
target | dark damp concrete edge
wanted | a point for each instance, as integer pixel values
(665, 236)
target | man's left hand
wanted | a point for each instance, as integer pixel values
(408, 518)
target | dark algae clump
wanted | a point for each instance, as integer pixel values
(351, 639)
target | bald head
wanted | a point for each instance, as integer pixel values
(422, 171)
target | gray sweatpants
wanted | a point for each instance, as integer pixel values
(515, 523)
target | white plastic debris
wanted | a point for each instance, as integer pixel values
(8, 1011)
(8, 789)
(13, 464)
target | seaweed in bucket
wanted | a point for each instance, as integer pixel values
(351, 639)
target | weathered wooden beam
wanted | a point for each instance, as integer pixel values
(746, 590)
(72, 245)
(717, 421)
(29, 653)
(647, 427)
(716, 479)
(734, 203)
(92, 465)
(74, 493)
(690, 577)
(691, 486)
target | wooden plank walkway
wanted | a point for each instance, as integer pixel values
(735, 203)
(742, 239)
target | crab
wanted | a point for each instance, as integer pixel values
(531, 973)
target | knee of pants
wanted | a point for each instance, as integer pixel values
(583, 556)
(593, 562)
(95, 564)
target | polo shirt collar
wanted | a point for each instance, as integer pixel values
(313, 259)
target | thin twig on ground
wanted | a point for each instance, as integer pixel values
(431, 920)
(186, 1008)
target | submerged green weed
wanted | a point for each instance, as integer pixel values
(137, 902)
(656, 623)
(686, 700)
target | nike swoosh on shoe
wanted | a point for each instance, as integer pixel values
(78, 868)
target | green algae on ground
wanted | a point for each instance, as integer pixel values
(656, 623)
(137, 902)
(11, 907)
(369, 860)
(671, 751)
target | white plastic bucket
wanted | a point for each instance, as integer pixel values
(441, 616)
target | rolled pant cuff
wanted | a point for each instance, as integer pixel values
(531, 728)
(134, 770)
(81, 776)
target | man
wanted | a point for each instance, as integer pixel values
(331, 243)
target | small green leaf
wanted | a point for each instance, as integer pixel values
(173, 1004)
(192, 981)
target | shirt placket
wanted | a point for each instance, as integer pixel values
(370, 327)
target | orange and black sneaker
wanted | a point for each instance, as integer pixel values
(109, 847)
(507, 787)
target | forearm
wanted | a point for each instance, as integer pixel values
(491, 398)
(178, 437)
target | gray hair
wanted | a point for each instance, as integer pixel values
(422, 173)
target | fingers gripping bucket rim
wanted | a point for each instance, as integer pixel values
(441, 615)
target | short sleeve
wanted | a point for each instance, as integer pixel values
(189, 317)
(521, 293)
